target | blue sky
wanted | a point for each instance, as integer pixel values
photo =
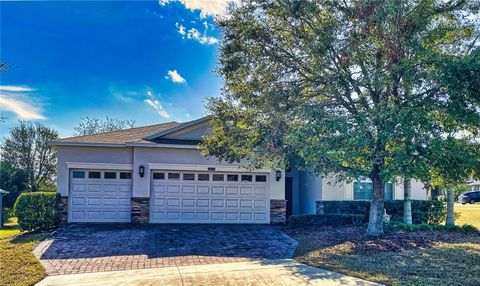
(147, 61)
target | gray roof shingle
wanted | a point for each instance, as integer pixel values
(120, 136)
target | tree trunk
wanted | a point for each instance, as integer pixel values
(375, 221)
(407, 202)
(450, 220)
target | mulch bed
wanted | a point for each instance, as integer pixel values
(357, 241)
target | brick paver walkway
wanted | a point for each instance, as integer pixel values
(92, 248)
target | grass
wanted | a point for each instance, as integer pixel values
(19, 266)
(10, 228)
(398, 258)
(469, 214)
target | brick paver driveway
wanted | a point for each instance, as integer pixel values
(92, 248)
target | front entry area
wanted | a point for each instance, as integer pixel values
(209, 197)
(100, 196)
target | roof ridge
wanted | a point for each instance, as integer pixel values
(117, 131)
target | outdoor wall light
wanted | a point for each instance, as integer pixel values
(278, 175)
(141, 171)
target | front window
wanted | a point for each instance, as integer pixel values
(363, 191)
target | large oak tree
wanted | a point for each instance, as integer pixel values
(354, 88)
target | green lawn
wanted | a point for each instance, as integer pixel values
(469, 214)
(10, 228)
(398, 258)
(18, 264)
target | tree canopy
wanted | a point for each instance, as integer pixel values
(354, 88)
(88, 126)
(27, 149)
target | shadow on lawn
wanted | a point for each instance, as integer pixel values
(354, 240)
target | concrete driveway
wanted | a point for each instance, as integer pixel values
(78, 248)
(258, 273)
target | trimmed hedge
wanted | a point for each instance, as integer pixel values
(466, 228)
(37, 211)
(328, 219)
(422, 211)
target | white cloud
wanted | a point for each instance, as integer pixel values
(158, 107)
(20, 105)
(181, 30)
(194, 34)
(174, 76)
(206, 7)
(14, 88)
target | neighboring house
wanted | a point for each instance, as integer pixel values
(156, 174)
(474, 185)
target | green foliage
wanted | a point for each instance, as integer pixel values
(376, 89)
(327, 219)
(466, 228)
(88, 126)
(7, 214)
(37, 211)
(459, 189)
(27, 149)
(422, 211)
(12, 180)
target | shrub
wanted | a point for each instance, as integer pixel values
(37, 211)
(422, 211)
(466, 228)
(328, 219)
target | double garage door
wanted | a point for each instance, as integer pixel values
(175, 197)
(209, 197)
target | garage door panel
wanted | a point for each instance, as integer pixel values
(217, 190)
(201, 199)
(246, 191)
(188, 190)
(173, 202)
(100, 200)
(76, 201)
(232, 191)
(203, 190)
(158, 190)
(217, 203)
(232, 203)
(188, 202)
(260, 191)
(231, 216)
(173, 189)
(203, 203)
(158, 202)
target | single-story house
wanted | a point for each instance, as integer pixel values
(156, 174)
(474, 185)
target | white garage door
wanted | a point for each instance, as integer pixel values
(100, 196)
(201, 197)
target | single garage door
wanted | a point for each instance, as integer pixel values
(100, 196)
(209, 197)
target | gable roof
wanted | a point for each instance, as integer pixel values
(119, 137)
(176, 128)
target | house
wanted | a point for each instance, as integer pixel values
(474, 185)
(156, 174)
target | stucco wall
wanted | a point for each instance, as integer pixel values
(327, 189)
(144, 156)
(87, 155)
(418, 191)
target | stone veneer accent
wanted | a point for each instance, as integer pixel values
(63, 209)
(278, 211)
(140, 210)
